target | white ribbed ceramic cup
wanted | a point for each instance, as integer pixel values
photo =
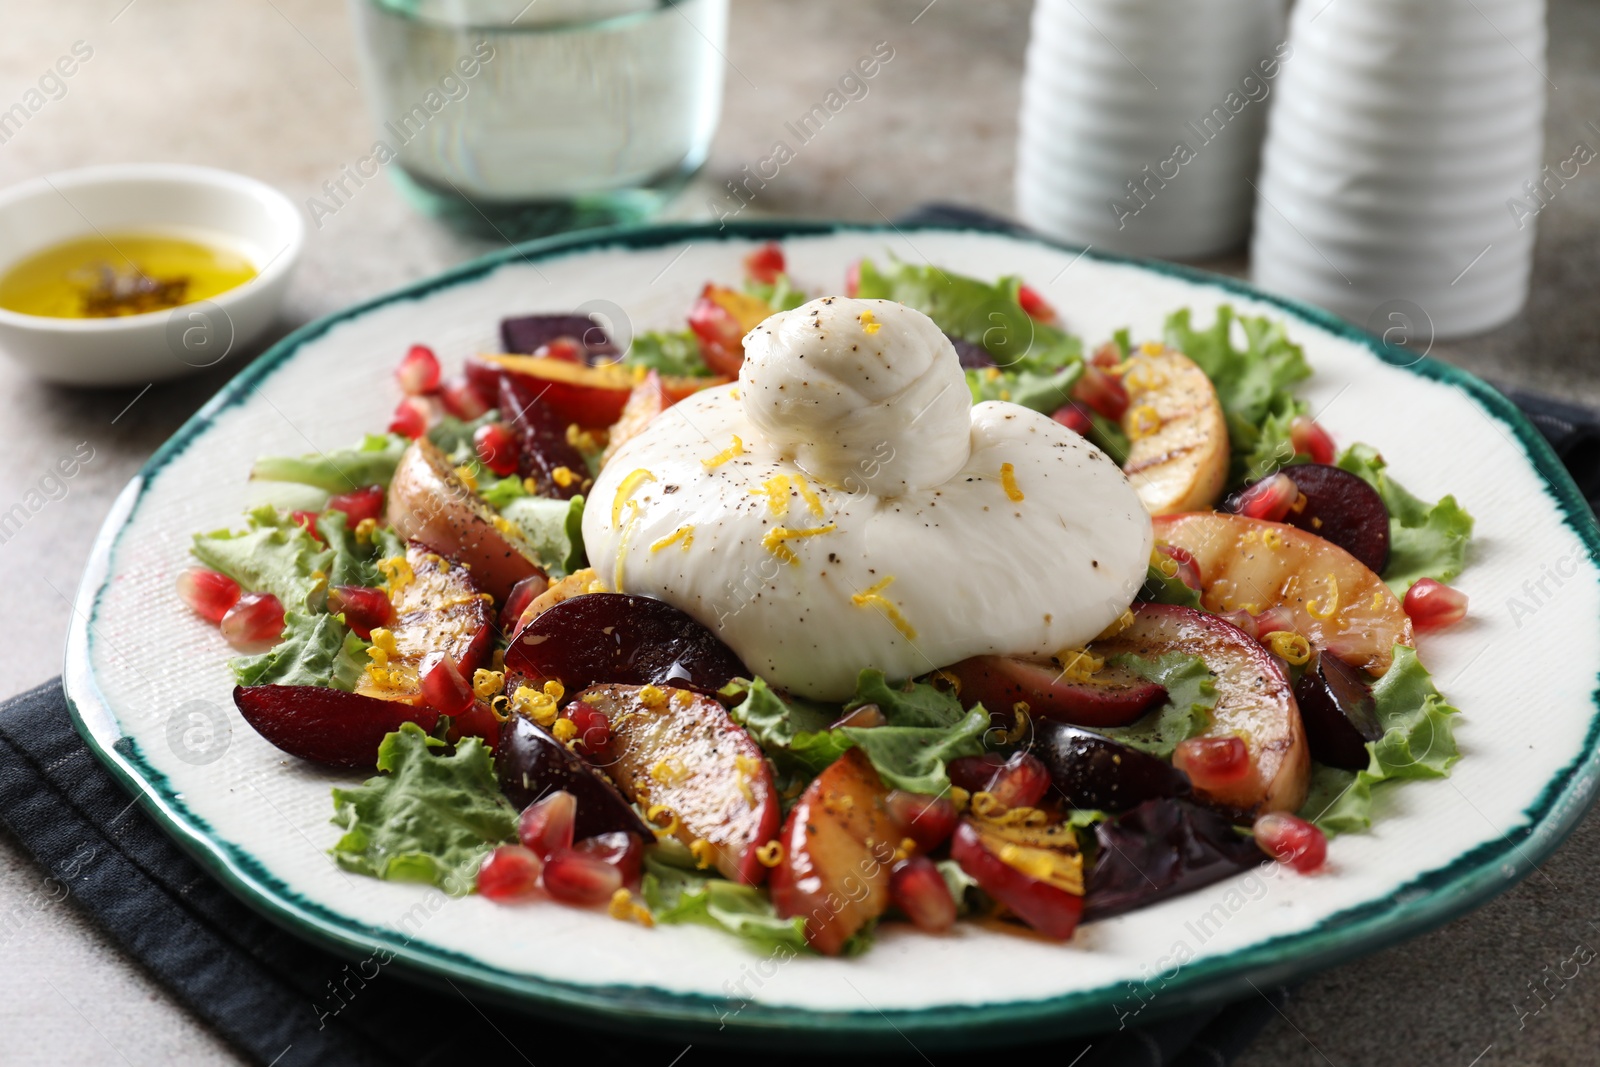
(1141, 121)
(1400, 144)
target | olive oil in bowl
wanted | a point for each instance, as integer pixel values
(122, 274)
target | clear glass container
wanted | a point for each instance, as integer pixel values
(526, 118)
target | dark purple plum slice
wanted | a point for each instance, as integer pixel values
(532, 764)
(526, 334)
(1339, 715)
(1341, 508)
(1162, 848)
(542, 444)
(622, 639)
(327, 726)
(1090, 770)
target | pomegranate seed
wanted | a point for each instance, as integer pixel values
(1107, 356)
(566, 349)
(622, 850)
(546, 825)
(463, 399)
(594, 729)
(362, 608)
(509, 873)
(765, 263)
(1212, 761)
(443, 686)
(307, 521)
(522, 594)
(1269, 499)
(410, 419)
(1021, 783)
(359, 504)
(1273, 620)
(1075, 418)
(1310, 439)
(1188, 569)
(1291, 841)
(1244, 621)
(1035, 305)
(1433, 605)
(1102, 391)
(496, 447)
(419, 371)
(208, 593)
(254, 623)
(929, 821)
(852, 279)
(578, 878)
(918, 889)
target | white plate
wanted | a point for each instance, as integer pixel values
(137, 660)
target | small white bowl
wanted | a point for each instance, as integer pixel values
(157, 197)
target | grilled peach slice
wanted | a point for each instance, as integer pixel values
(430, 504)
(1111, 697)
(838, 848)
(679, 749)
(1036, 872)
(437, 609)
(1178, 439)
(1250, 564)
(1254, 703)
(648, 399)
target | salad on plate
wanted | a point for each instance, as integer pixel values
(901, 605)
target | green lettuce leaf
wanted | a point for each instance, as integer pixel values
(1191, 694)
(314, 650)
(1043, 391)
(353, 562)
(975, 311)
(1252, 384)
(453, 437)
(780, 295)
(926, 728)
(676, 895)
(1425, 540)
(552, 528)
(676, 354)
(427, 817)
(498, 492)
(273, 555)
(793, 734)
(370, 463)
(1163, 590)
(1418, 742)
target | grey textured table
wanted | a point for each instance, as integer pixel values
(265, 87)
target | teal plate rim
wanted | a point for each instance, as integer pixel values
(1429, 900)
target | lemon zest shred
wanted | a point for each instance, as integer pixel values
(625, 489)
(869, 325)
(486, 684)
(1079, 664)
(704, 852)
(1008, 482)
(563, 476)
(735, 449)
(873, 597)
(1143, 421)
(653, 817)
(808, 495)
(770, 854)
(1290, 646)
(774, 540)
(683, 536)
(776, 490)
(1316, 608)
